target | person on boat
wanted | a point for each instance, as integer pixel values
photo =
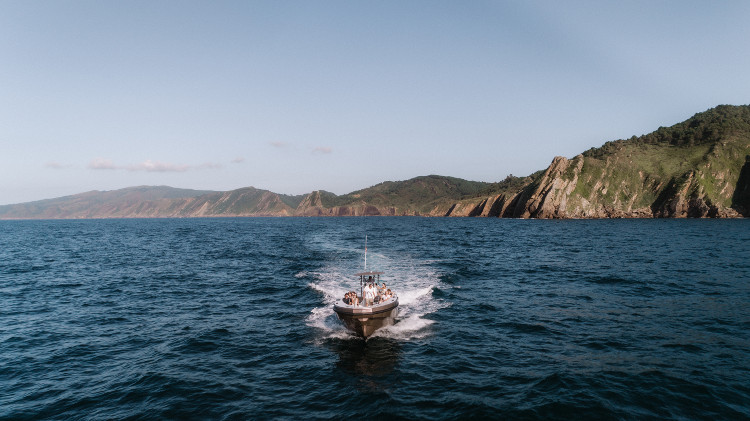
(365, 291)
(369, 295)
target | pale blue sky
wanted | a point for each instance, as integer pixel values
(295, 96)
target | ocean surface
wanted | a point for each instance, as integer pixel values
(516, 319)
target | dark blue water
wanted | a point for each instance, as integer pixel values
(232, 319)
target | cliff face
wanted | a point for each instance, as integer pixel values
(695, 169)
(549, 197)
(242, 202)
(491, 207)
(741, 196)
(585, 187)
(312, 205)
(319, 204)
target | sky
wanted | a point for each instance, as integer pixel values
(296, 96)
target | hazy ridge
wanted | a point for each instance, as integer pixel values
(697, 168)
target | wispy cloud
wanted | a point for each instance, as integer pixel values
(237, 160)
(322, 149)
(56, 165)
(149, 166)
(102, 164)
(278, 144)
(155, 166)
(209, 166)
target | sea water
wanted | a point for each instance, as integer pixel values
(232, 319)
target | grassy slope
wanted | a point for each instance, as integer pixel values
(712, 144)
(244, 201)
(419, 194)
(292, 201)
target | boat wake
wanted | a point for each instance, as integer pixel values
(414, 282)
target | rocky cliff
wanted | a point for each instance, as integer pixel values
(741, 195)
(313, 205)
(697, 168)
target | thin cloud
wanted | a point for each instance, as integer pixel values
(150, 166)
(322, 149)
(237, 160)
(278, 144)
(55, 165)
(209, 166)
(156, 166)
(102, 164)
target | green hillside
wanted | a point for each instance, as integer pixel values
(689, 169)
(417, 194)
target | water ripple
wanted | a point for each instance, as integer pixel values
(231, 319)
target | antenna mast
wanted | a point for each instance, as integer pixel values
(365, 253)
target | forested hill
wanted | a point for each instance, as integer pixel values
(696, 168)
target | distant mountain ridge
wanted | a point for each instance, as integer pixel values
(100, 204)
(697, 168)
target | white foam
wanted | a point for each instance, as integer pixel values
(410, 296)
(412, 327)
(330, 293)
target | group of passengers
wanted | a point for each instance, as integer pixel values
(372, 294)
(351, 298)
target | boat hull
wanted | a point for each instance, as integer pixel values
(364, 321)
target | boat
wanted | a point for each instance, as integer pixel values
(364, 319)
